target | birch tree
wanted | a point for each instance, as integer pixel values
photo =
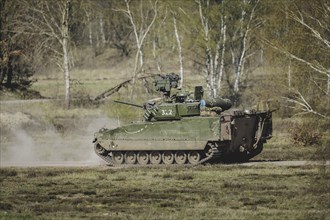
(141, 27)
(214, 29)
(211, 60)
(64, 40)
(50, 22)
(308, 52)
(90, 25)
(177, 37)
(223, 41)
(177, 11)
(318, 30)
(239, 51)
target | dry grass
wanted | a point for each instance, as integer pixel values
(204, 192)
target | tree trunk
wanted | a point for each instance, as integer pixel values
(223, 33)
(242, 51)
(328, 86)
(90, 31)
(222, 61)
(65, 39)
(155, 55)
(102, 31)
(243, 47)
(9, 73)
(289, 75)
(2, 68)
(240, 63)
(2, 76)
(180, 51)
(66, 73)
(215, 75)
(134, 74)
(209, 58)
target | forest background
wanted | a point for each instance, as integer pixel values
(246, 50)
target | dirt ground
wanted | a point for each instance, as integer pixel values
(27, 140)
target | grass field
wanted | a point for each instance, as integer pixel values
(203, 192)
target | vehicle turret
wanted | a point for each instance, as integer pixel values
(177, 103)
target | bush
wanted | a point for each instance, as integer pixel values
(305, 134)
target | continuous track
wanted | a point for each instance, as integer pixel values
(193, 157)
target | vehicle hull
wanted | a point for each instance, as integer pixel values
(231, 136)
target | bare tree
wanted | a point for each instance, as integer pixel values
(50, 21)
(303, 19)
(223, 33)
(244, 31)
(214, 28)
(155, 53)
(141, 29)
(103, 40)
(10, 50)
(302, 105)
(313, 82)
(204, 7)
(177, 37)
(66, 13)
(88, 14)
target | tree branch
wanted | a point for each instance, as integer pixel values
(317, 68)
(315, 33)
(305, 107)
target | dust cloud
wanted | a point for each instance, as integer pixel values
(30, 142)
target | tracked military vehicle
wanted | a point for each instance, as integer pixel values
(183, 129)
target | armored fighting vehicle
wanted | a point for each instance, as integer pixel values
(185, 128)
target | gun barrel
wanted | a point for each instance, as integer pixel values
(219, 102)
(131, 104)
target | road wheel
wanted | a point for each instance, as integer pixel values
(194, 157)
(168, 157)
(117, 157)
(143, 158)
(155, 157)
(180, 157)
(130, 157)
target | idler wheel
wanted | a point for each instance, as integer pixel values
(99, 149)
(143, 158)
(168, 157)
(208, 151)
(130, 157)
(155, 157)
(194, 157)
(118, 157)
(180, 157)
